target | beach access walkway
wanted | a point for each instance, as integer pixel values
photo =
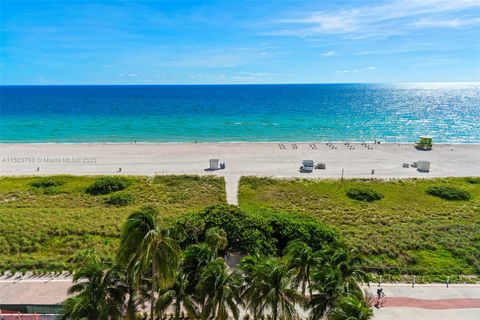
(231, 188)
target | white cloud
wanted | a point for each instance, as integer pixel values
(208, 76)
(446, 23)
(131, 75)
(355, 70)
(436, 62)
(224, 57)
(380, 20)
(236, 77)
(329, 54)
(252, 76)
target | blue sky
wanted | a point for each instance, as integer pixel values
(194, 42)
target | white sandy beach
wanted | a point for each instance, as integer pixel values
(264, 159)
(241, 159)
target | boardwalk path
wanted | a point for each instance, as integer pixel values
(459, 303)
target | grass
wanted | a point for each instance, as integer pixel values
(406, 232)
(48, 230)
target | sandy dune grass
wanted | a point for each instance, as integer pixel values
(47, 228)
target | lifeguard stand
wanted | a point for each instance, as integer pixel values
(425, 143)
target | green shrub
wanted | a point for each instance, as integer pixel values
(364, 194)
(47, 182)
(120, 199)
(109, 184)
(473, 180)
(257, 231)
(49, 191)
(449, 193)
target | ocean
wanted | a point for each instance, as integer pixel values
(230, 113)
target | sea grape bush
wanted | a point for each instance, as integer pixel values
(120, 199)
(47, 182)
(257, 231)
(106, 185)
(364, 194)
(449, 193)
(473, 180)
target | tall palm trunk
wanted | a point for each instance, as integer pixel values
(154, 288)
(131, 305)
(202, 306)
(309, 287)
(177, 309)
(220, 311)
(275, 310)
(307, 282)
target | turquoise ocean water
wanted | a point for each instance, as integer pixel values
(323, 112)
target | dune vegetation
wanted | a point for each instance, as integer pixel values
(398, 226)
(406, 231)
(193, 279)
(46, 223)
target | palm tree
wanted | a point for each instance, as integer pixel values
(149, 248)
(270, 288)
(248, 266)
(302, 260)
(218, 291)
(349, 265)
(351, 307)
(216, 238)
(138, 290)
(194, 258)
(326, 287)
(99, 293)
(178, 296)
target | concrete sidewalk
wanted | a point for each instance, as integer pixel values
(427, 291)
(53, 290)
(425, 314)
(428, 301)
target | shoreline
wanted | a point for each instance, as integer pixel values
(232, 142)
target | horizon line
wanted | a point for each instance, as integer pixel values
(234, 84)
